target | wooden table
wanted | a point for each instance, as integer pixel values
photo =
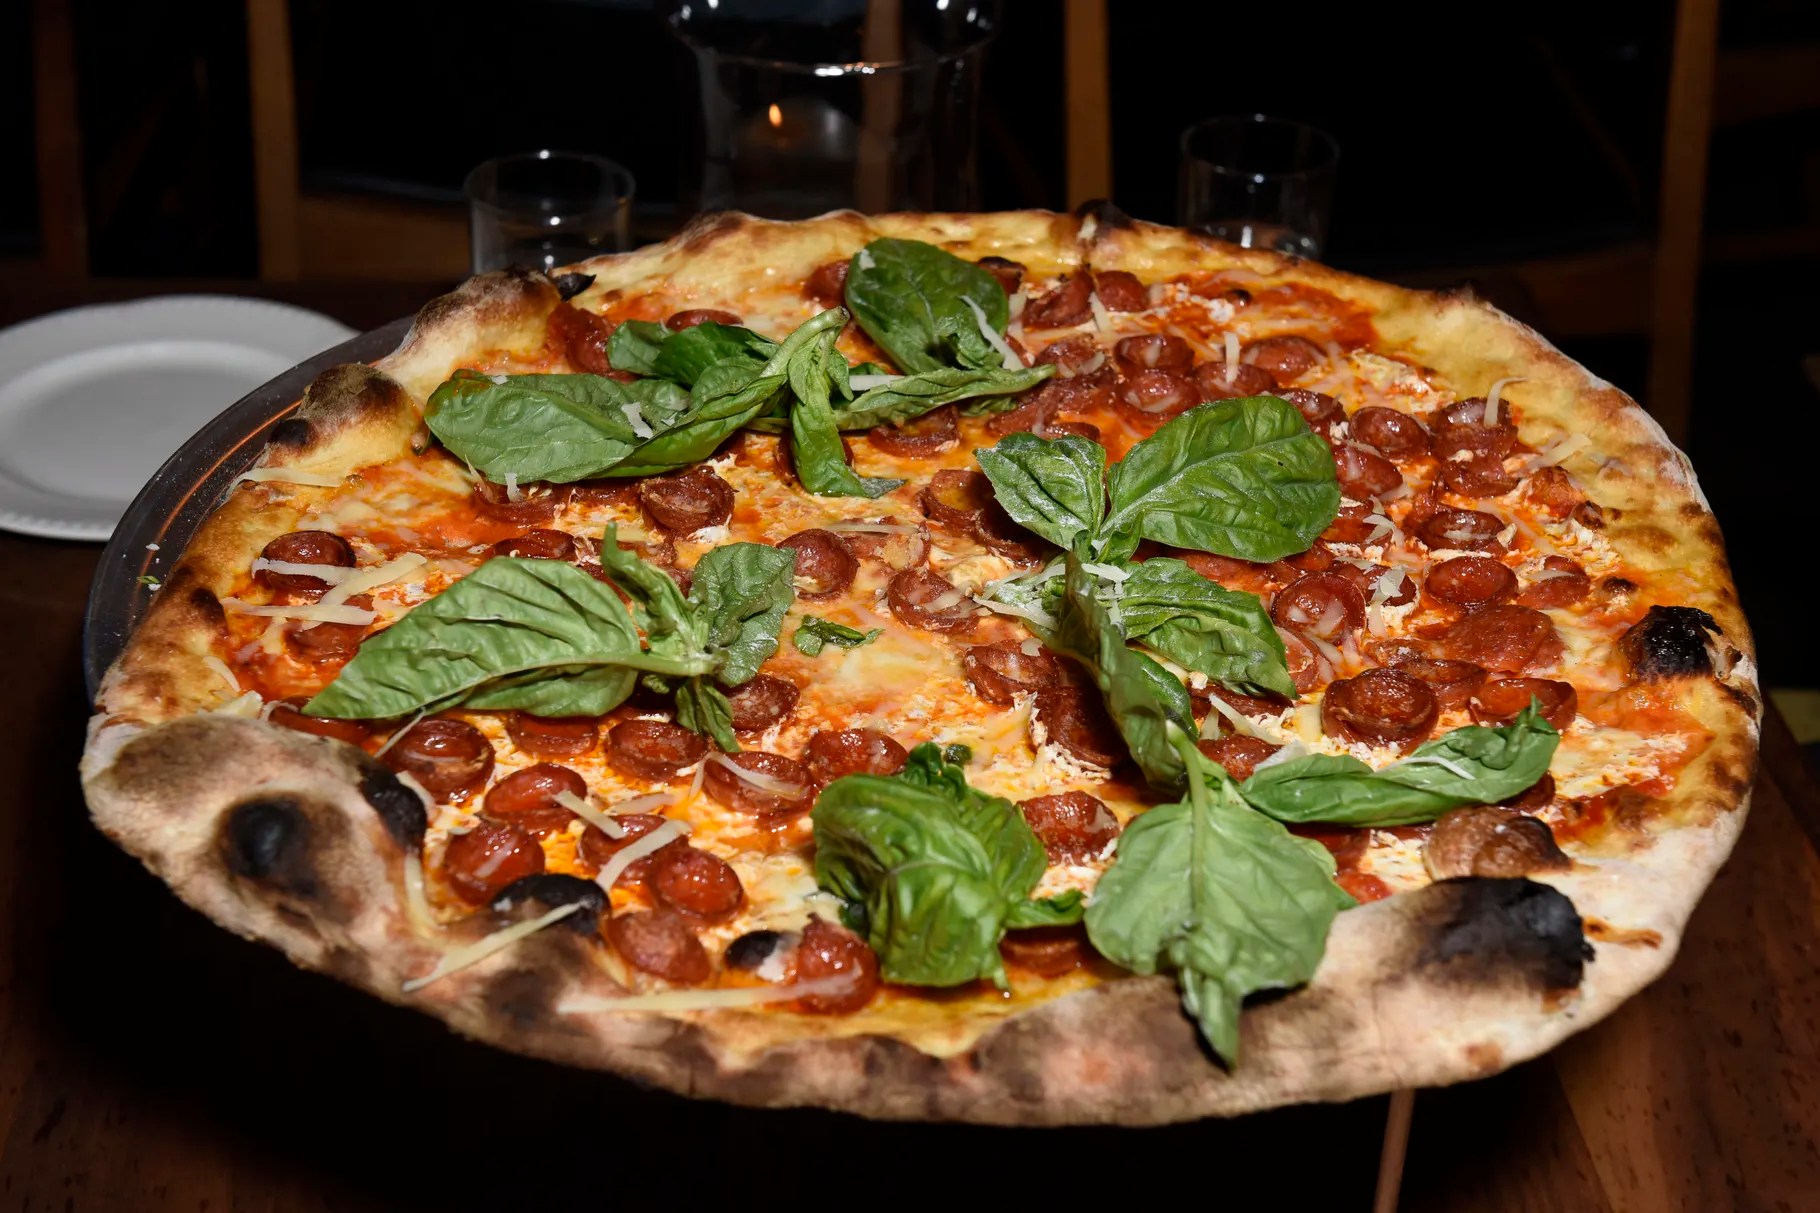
(151, 1061)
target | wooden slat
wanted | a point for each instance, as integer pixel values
(1766, 82)
(1089, 101)
(62, 215)
(379, 239)
(272, 86)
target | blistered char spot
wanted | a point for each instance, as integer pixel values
(1106, 216)
(706, 229)
(1670, 642)
(206, 605)
(526, 999)
(1493, 930)
(291, 432)
(267, 841)
(1484, 1057)
(398, 807)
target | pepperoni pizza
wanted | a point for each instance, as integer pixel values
(947, 666)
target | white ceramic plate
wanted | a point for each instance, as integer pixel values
(93, 400)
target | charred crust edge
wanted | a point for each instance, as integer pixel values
(400, 809)
(266, 840)
(1671, 642)
(1106, 216)
(1508, 925)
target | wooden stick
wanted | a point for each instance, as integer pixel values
(1088, 101)
(1396, 1145)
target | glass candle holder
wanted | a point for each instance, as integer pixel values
(546, 208)
(1259, 181)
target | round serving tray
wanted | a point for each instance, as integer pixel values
(163, 518)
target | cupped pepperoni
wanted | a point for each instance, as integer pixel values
(597, 847)
(1553, 491)
(660, 943)
(831, 754)
(1247, 575)
(1471, 581)
(1477, 476)
(826, 952)
(527, 798)
(925, 599)
(1562, 584)
(956, 497)
(449, 758)
(303, 547)
(1317, 559)
(1380, 707)
(331, 641)
(1065, 304)
(1154, 352)
(1461, 531)
(1461, 427)
(695, 883)
(1046, 951)
(1121, 291)
(761, 702)
(1075, 429)
(932, 433)
(1010, 274)
(1392, 651)
(288, 713)
(828, 284)
(1327, 605)
(1156, 395)
(536, 544)
(1307, 668)
(1536, 797)
(1453, 682)
(1508, 638)
(1248, 705)
(534, 503)
(553, 736)
(583, 337)
(479, 863)
(782, 787)
(998, 672)
(1355, 524)
(1215, 383)
(825, 565)
(1390, 432)
(1032, 413)
(998, 532)
(1077, 722)
(1285, 358)
(688, 319)
(688, 501)
(1364, 473)
(1072, 826)
(1321, 411)
(1239, 754)
(897, 547)
(1502, 700)
(652, 749)
(1077, 357)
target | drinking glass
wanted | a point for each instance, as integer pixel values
(1259, 181)
(546, 208)
(807, 108)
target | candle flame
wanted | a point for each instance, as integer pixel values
(776, 115)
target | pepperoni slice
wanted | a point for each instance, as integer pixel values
(1285, 358)
(1307, 668)
(1391, 433)
(537, 501)
(1321, 411)
(487, 858)
(288, 714)
(660, 943)
(1077, 357)
(1326, 605)
(1121, 291)
(788, 789)
(1045, 951)
(652, 749)
(1317, 559)
(830, 755)
(1010, 274)
(825, 565)
(1237, 574)
(1380, 707)
(932, 433)
(1072, 826)
(998, 532)
(1564, 584)
(1157, 395)
(553, 736)
(1077, 429)
(687, 501)
(596, 848)
(1461, 427)
(1249, 705)
(1461, 531)
(956, 497)
(1239, 754)
(761, 702)
(1471, 581)
(1536, 797)
(1077, 722)
(1245, 380)
(583, 337)
(1478, 476)
(1513, 639)
(925, 599)
(1390, 652)
(679, 321)
(1553, 491)
(1502, 700)
(830, 951)
(527, 798)
(1369, 577)
(536, 544)
(998, 672)
(1154, 352)
(1453, 682)
(332, 641)
(695, 883)
(828, 284)
(1066, 304)
(1353, 525)
(303, 547)
(1364, 473)
(449, 758)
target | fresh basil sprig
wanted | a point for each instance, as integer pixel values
(938, 869)
(815, 441)
(1201, 625)
(645, 347)
(1054, 487)
(814, 634)
(913, 299)
(549, 427)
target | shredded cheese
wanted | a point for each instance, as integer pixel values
(1232, 357)
(332, 574)
(758, 779)
(1102, 319)
(1559, 451)
(865, 383)
(393, 739)
(1241, 723)
(473, 953)
(371, 579)
(1491, 398)
(512, 491)
(310, 612)
(1006, 354)
(416, 901)
(291, 476)
(650, 844)
(588, 813)
(635, 418)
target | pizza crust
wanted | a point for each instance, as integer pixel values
(1447, 983)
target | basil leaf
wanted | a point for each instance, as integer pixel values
(1243, 478)
(815, 440)
(546, 427)
(814, 633)
(1221, 896)
(939, 867)
(1062, 910)
(657, 604)
(742, 592)
(685, 356)
(702, 707)
(1055, 487)
(1200, 624)
(908, 297)
(992, 390)
(537, 635)
(634, 346)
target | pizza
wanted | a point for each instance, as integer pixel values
(1016, 668)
